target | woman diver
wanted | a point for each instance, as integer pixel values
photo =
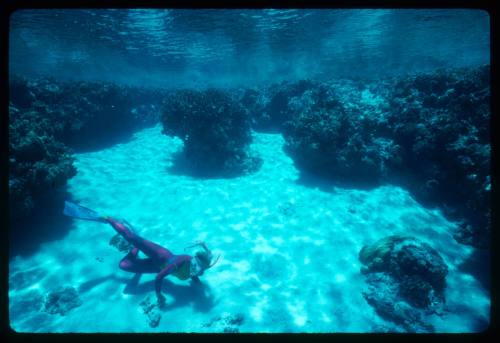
(159, 259)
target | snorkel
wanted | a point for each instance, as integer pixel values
(203, 258)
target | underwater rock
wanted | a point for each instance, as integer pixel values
(408, 260)
(418, 260)
(215, 130)
(150, 309)
(120, 243)
(227, 323)
(61, 300)
(406, 279)
(329, 137)
(375, 257)
(382, 295)
(416, 291)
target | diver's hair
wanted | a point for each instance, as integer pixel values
(204, 257)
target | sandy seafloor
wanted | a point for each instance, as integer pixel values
(289, 252)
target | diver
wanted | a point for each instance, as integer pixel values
(159, 260)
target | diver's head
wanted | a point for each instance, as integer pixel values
(202, 260)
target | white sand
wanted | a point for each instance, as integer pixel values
(289, 252)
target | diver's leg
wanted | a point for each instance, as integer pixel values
(134, 265)
(149, 248)
(128, 261)
(133, 253)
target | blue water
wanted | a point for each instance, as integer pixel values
(289, 251)
(243, 47)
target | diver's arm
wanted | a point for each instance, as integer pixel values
(167, 270)
(159, 280)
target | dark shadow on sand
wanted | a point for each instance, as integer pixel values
(181, 166)
(408, 184)
(195, 293)
(100, 140)
(47, 223)
(325, 184)
(88, 285)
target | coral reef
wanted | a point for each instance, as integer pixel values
(269, 107)
(427, 132)
(47, 118)
(406, 280)
(441, 121)
(382, 295)
(151, 310)
(214, 128)
(276, 111)
(38, 163)
(255, 101)
(82, 113)
(61, 300)
(227, 323)
(328, 137)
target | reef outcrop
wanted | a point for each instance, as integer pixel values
(406, 280)
(151, 310)
(215, 130)
(441, 121)
(276, 111)
(61, 300)
(38, 163)
(48, 120)
(83, 114)
(332, 138)
(226, 323)
(428, 132)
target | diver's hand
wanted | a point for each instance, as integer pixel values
(161, 300)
